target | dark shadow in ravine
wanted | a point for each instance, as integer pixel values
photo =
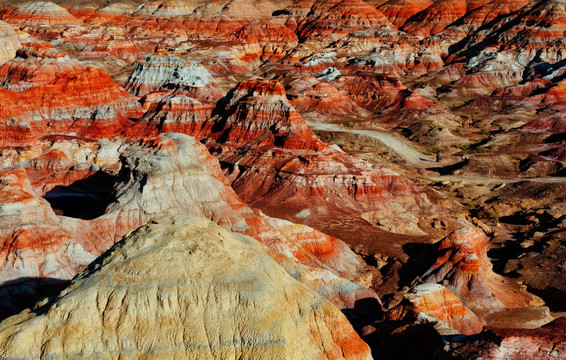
(84, 199)
(365, 312)
(25, 292)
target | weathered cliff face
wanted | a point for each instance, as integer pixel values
(9, 43)
(437, 304)
(172, 73)
(399, 11)
(38, 13)
(276, 163)
(183, 286)
(546, 342)
(46, 93)
(462, 266)
(87, 91)
(171, 174)
(329, 20)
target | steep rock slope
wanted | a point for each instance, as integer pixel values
(38, 13)
(463, 267)
(434, 302)
(184, 287)
(546, 342)
(8, 42)
(173, 73)
(399, 11)
(435, 18)
(275, 162)
(44, 92)
(332, 19)
(171, 174)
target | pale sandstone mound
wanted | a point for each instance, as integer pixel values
(172, 73)
(38, 13)
(184, 287)
(9, 43)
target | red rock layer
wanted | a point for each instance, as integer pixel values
(61, 107)
(399, 11)
(308, 95)
(437, 302)
(435, 18)
(260, 114)
(463, 267)
(333, 19)
(265, 40)
(38, 63)
(480, 16)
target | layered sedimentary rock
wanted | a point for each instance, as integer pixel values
(434, 302)
(399, 11)
(479, 83)
(435, 18)
(9, 42)
(172, 174)
(37, 63)
(183, 273)
(480, 16)
(333, 19)
(38, 13)
(165, 8)
(463, 267)
(276, 163)
(46, 93)
(172, 73)
(65, 110)
(546, 342)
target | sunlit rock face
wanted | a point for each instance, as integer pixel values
(168, 72)
(256, 115)
(168, 175)
(183, 286)
(38, 13)
(9, 43)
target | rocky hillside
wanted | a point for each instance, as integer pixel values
(388, 173)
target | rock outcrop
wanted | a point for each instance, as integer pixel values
(462, 266)
(38, 13)
(171, 174)
(184, 287)
(275, 162)
(434, 302)
(172, 73)
(9, 42)
(399, 11)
